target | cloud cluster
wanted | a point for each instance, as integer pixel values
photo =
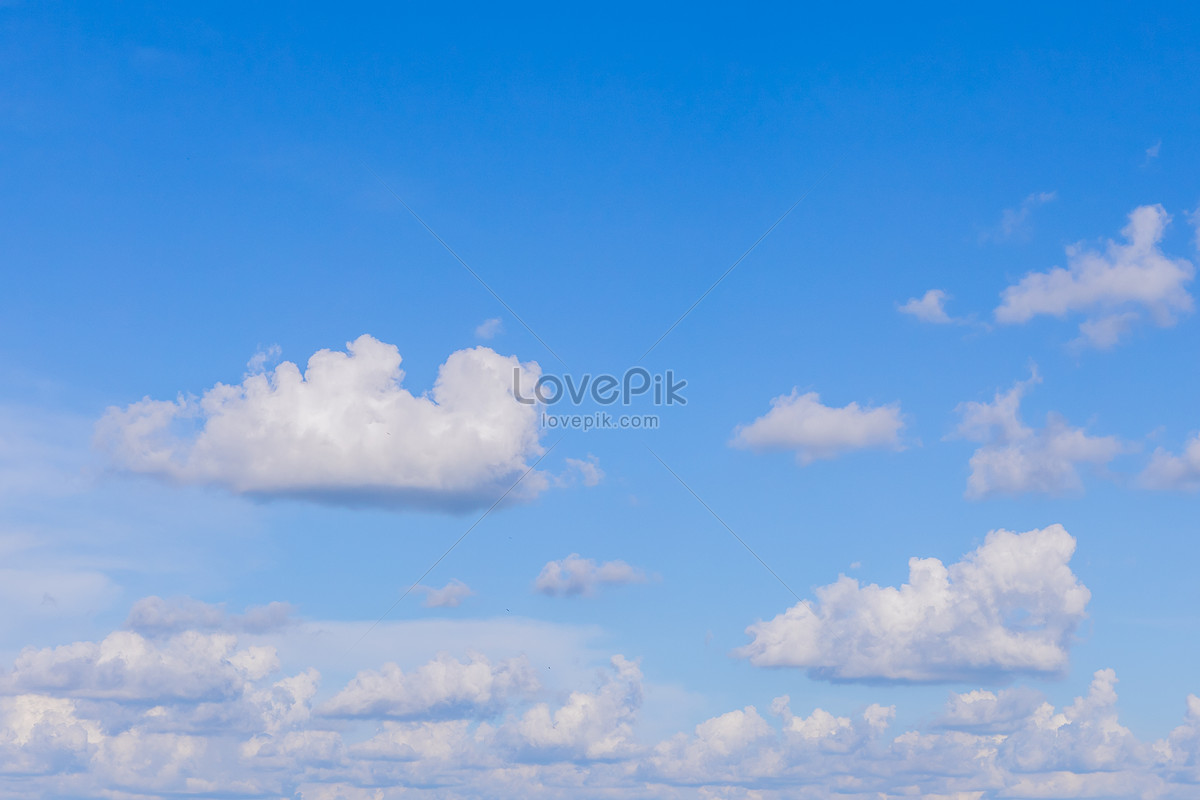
(127, 666)
(590, 725)
(1015, 458)
(575, 575)
(801, 423)
(1081, 750)
(1010, 606)
(1112, 287)
(201, 714)
(343, 431)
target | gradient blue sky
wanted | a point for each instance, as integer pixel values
(185, 187)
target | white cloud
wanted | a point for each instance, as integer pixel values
(267, 355)
(1081, 750)
(593, 725)
(443, 688)
(344, 431)
(824, 731)
(742, 748)
(453, 743)
(574, 575)
(1125, 278)
(1082, 737)
(982, 711)
(1010, 606)
(1153, 150)
(259, 737)
(930, 307)
(1180, 748)
(449, 596)
(1105, 331)
(1015, 458)
(569, 649)
(154, 762)
(718, 750)
(127, 666)
(489, 328)
(585, 470)
(1014, 222)
(799, 422)
(40, 735)
(1167, 471)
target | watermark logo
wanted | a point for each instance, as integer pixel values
(600, 421)
(604, 389)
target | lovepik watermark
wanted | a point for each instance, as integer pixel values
(604, 389)
(600, 421)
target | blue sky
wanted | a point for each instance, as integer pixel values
(185, 189)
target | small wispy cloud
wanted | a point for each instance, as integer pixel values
(449, 596)
(929, 307)
(489, 328)
(265, 355)
(156, 616)
(1015, 222)
(586, 471)
(575, 575)
(801, 423)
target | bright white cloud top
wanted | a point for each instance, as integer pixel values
(344, 431)
(1112, 288)
(1015, 458)
(575, 575)
(801, 423)
(1010, 606)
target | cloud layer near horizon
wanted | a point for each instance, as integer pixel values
(201, 713)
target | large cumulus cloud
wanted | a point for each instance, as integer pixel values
(344, 430)
(1010, 606)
